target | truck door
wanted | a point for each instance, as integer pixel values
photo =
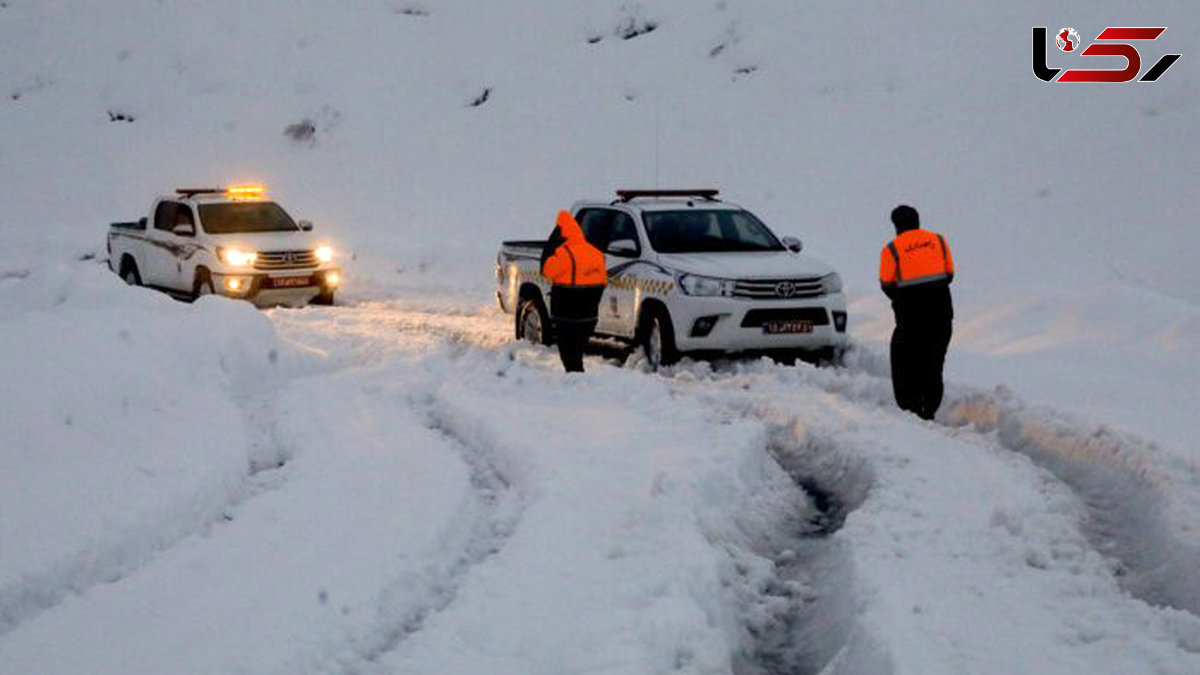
(623, 252)
(595, 225)
(165, 250)
(153, 262)
(181, 249)
(604, 227)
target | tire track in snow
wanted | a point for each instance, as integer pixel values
(1124, 486)
(114, 558)
(798, 622)
(1129, 490)
(1127, 497)
(478, 532)
(803, 621)
(372, 332)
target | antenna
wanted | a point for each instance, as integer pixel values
(656, 116)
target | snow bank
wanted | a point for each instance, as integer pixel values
(121, 426)
(1120, 353)
(313, 572)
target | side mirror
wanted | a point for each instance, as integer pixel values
(184, 230)
(305, 225)
(792, 244)
(623, 248)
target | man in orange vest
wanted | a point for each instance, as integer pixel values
(915, 270)
(576, 270)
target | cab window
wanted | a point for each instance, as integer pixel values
(601, 227)
(164, 215)
(183, 216)
(594, 223)
(623, 228)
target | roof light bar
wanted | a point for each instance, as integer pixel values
(708, 194)
(246, 191)
(192, 192)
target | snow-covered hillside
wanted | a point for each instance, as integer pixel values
(390, 486)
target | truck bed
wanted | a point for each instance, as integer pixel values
(523, 248)
(133, 225)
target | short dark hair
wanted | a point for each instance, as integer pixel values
(905, 218)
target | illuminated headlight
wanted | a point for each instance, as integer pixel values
(236, 256)
(831, 283)
(332, 279)
(697, 285)
(324, 254)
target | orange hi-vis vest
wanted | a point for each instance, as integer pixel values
(575, 262)
(915, 257)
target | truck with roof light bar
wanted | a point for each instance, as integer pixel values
(232, 241)
(688, 274)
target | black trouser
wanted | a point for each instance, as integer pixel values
(574, 310)
(573, 338)
(918, 353)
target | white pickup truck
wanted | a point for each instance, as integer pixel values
(688, 273)
(235, 242)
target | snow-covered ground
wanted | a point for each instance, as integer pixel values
(391, 486)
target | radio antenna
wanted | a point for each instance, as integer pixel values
(656, 128)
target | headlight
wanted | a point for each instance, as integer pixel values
(831, 283)
(324, 254)
(236, 256)
(697, 285)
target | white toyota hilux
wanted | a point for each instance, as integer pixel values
(234, 241)
(688, 273)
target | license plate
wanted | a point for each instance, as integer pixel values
(797, 326)
(290, 282)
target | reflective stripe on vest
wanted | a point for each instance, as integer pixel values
(928, 270)
(921, 280)
(945, 254)
(896, 258)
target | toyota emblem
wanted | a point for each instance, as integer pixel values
(785, 289)
(289, 258)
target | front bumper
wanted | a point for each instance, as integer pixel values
(723, 324)
(291, 287)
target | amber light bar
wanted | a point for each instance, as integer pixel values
(246, 191)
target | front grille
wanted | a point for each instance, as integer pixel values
(755, 318)
(285, 260)
(778, 289)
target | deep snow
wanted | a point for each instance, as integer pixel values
(391, 487)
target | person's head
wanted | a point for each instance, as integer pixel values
(568, 226)
(905, 218)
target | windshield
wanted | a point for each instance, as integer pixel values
(236, 217)
(698, 231)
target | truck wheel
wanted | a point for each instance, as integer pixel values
(832, 357)
(323, 298)
(533, 323)
(657, 339)
(129, 272)
(203, 285)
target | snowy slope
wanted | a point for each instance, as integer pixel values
(1052, 196)
(390, 487)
